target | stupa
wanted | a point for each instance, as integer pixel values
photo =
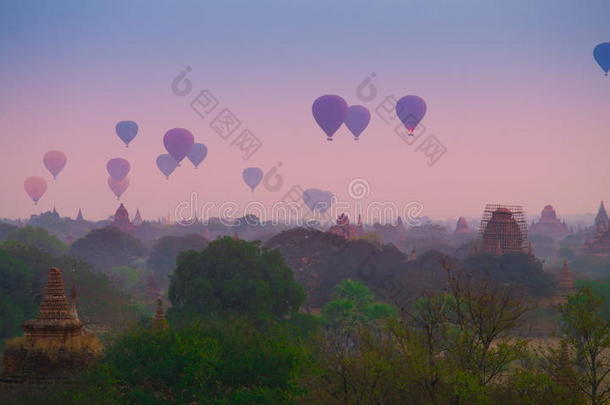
(461, 227)
(159, 322)
(599, 244)
(549, 224)
(55, 344)
(344, 229)
(565, 285)
(601, 219)
(137, 219)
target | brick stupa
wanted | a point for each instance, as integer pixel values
(565, 285)
(55, 344)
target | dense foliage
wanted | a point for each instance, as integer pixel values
(162, 258)
(230, 362)
(16, 295)
(108, 247)
(233, 276)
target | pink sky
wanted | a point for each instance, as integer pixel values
(521, 129)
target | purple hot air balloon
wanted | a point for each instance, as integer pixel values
(35, 187)
(118, 168)
(318, 200)
(252, 176)
(357, 119)
(54, 161)
(197, 153)
(178, 142)
(118, 187)
(329, 112)
(126, 130)
(411, 110)
(166, 164)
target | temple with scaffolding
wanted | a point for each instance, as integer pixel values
(503, 229)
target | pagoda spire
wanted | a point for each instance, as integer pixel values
(54, 317)
(601, 219)
(79, 216)
(159, 322)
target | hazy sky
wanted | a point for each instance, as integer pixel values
(513, 94)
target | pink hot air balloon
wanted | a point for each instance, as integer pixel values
(178, 142)
(54, 161)
(35, 187)
(118, 187)
(118, 168)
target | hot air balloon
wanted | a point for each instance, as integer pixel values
(411, 110)
(318, 200)
(54, 161)
(197, 153)
(118, 168)
(35, 187)
(166, 164)
(601, 53)
(118, 187)
(329, 112)
(178, 142)
(252, 176)
(358, 118)
(126, 130)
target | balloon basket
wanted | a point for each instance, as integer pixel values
(329, 139)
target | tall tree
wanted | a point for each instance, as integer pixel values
(586, 332)
(233, 276)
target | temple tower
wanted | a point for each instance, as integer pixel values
(159, 322)
(55, 344)
(565, 285)
(503, 229)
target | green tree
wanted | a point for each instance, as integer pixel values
(38, 238)
(354, 305)
(108, 247)
(16, 295)
(586, 332)
(233, 276)
(162, 258)
(217, 362)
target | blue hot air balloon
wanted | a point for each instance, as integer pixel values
(197, 154)
(166, 164)
(358, 118)
(252, 176)
(329, 112)
(601, 53)
(318, 200)
(126, 130)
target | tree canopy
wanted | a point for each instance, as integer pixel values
(108, 247)
(162, 258)
(233, 276)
